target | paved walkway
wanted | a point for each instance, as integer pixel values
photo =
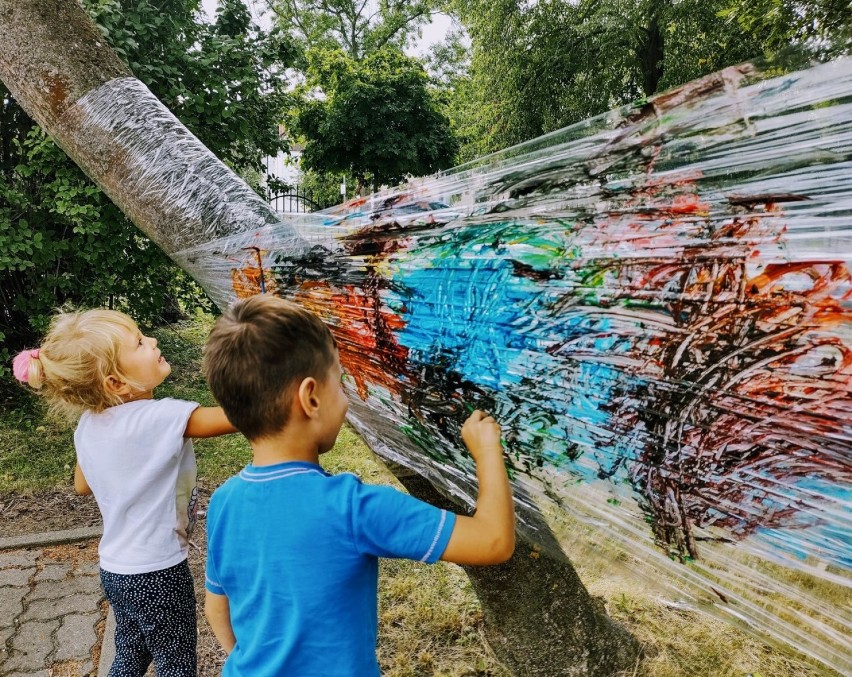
(50, 609)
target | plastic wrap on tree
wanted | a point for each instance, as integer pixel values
(655, 303)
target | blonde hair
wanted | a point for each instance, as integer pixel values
(78, 353)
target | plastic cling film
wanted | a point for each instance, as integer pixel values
(656, 304)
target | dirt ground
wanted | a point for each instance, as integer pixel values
(51, 510)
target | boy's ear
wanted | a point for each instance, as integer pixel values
(308, 397)
(115, 386)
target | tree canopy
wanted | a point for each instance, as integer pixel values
(365, 110)
(537, 67)
(358, 27)
(378, 118)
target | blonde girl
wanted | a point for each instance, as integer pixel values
(134, 453)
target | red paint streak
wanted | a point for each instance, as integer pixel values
(364, 331)
(688, 204)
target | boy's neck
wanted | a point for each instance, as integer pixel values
(282, 448)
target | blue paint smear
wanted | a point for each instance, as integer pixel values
(466, 306)
(497, 345)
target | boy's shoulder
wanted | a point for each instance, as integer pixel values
(225, 488)
(343, 485)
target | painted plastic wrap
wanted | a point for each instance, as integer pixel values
(656, 304)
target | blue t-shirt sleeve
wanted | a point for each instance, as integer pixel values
(211, 580)
(389, 523)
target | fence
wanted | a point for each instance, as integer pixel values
(295, 201)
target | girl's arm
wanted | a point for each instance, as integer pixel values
(208, 422)
(81, 486)
(218, 613)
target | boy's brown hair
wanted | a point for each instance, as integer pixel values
(256, 356)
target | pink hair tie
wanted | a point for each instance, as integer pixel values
(21, 364)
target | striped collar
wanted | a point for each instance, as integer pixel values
(268, 473)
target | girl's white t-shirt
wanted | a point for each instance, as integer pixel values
(142, 472)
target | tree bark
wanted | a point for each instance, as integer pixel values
(48, 67)
(651, 50)
(539, 618)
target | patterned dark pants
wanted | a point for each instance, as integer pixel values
(155, 620)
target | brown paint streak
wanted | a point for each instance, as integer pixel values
(767, 199)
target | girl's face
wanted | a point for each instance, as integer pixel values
(142, 364)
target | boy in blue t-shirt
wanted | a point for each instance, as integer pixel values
(292, 551)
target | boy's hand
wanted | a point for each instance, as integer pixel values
(488, 536)
(481, 434)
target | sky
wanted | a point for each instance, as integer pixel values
(434, 32)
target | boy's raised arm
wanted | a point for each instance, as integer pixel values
(488, 537)
(208, 422)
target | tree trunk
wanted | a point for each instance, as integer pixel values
(651, 50)
(539, 618)
(60, 69)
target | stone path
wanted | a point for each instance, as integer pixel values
(51, 607)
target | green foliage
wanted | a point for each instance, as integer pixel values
(351, 53)
(61, 240)
(824, 27)
(378, 118)
(357, 28)
(537, 67)
(324, 187)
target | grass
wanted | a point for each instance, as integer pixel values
(430, 620)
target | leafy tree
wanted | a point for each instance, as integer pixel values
(378, 118)
(536, 67)
(351, 54)
(324, 187)
(359, 27)
(61, 240)
(823, 27)
(448, 62)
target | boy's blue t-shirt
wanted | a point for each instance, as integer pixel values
(295, 551)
